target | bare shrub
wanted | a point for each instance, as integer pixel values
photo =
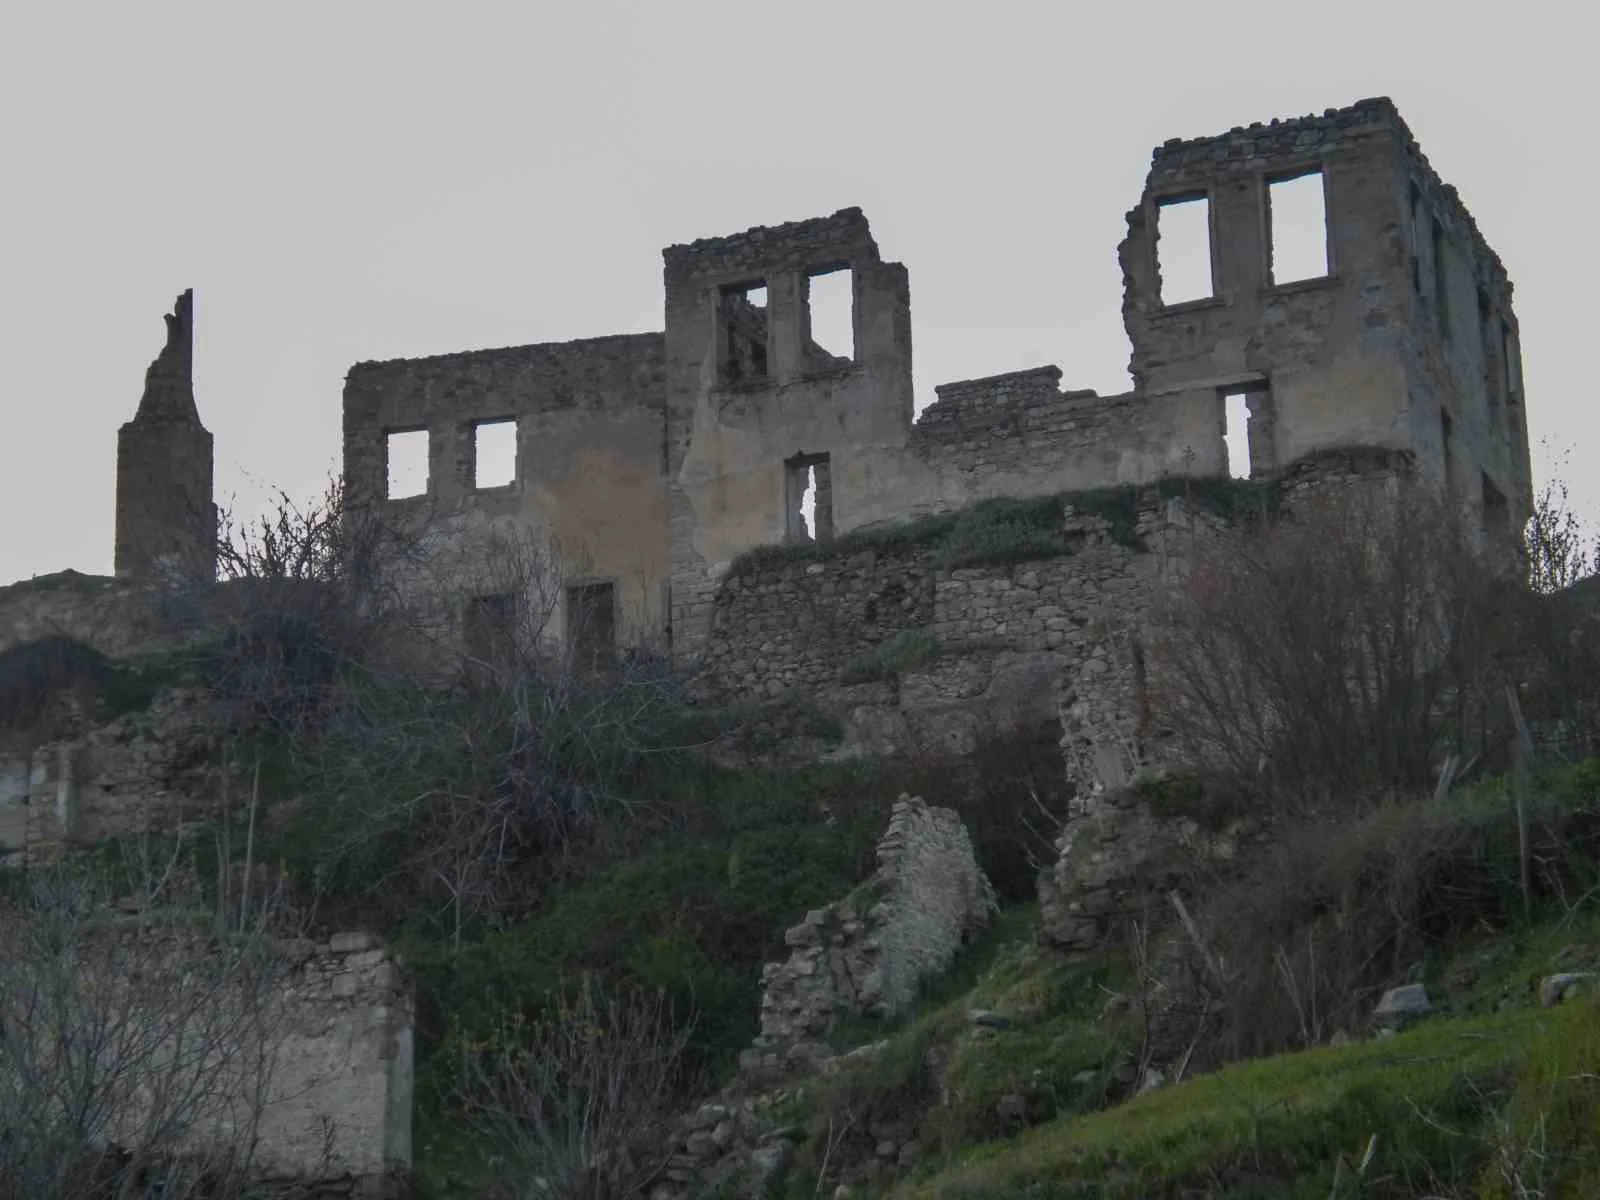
(574, 1105)
(1343, 650)
(138, 1032)
(1341, 909)
(1559, 630)
(446, 745)
(304, 596)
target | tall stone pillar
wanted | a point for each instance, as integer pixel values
(166, 520)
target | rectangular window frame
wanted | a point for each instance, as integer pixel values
(732, 371)
(1329, 269)
(474, 458)
(385, 442)
(806, 338)
(1170, 200)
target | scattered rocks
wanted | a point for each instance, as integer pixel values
(1151, 1080)
(1558, 989)
(991, 1020)
(1402, 1005)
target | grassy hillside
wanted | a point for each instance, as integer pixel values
(1021, 1075)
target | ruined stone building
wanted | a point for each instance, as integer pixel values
(651, 461)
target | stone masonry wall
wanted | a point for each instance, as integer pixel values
(1003, 636)
(340, 1104)
(1020, 434)
(147, 770)
(870, 953)
(114, 616)
(306, 1049)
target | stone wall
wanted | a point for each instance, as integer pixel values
(294, 1052)
(1120, 858)
(1020, 434)
(339, 1108)
(114, 616)
(870, 953)
(589, 479)
(997, 641)
(153, 769)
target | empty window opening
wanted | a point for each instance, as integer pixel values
(830, 318)
(1236, 419)
(742, 331)
(1489, 343)
(407, 463)
(1183, 249)
(1247, 431)
(1496, 512)
(1416, 238)
(592, 625)
(1446, 431)
(1297, 222)
(1512, 357)
(808, 497)
(1441, 280)
(494, 454)
(491, 627)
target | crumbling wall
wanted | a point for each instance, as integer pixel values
(1019, 434)
(339, 1105)
(308, 1053)
(1118, 864)
(590, 473)
(117, 617)
(148, 770)
(870, 953)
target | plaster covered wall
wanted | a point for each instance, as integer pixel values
(590, 473)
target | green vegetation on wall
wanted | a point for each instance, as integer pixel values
(1008, 530)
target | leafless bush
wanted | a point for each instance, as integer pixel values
(137, 1033)
(469, 756)
(304, 596)
(575, 1105)
(1559, 630)
(1343, 650)
(1342, 908)
(1560, 554)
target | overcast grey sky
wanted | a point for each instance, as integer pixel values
(342, 180)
